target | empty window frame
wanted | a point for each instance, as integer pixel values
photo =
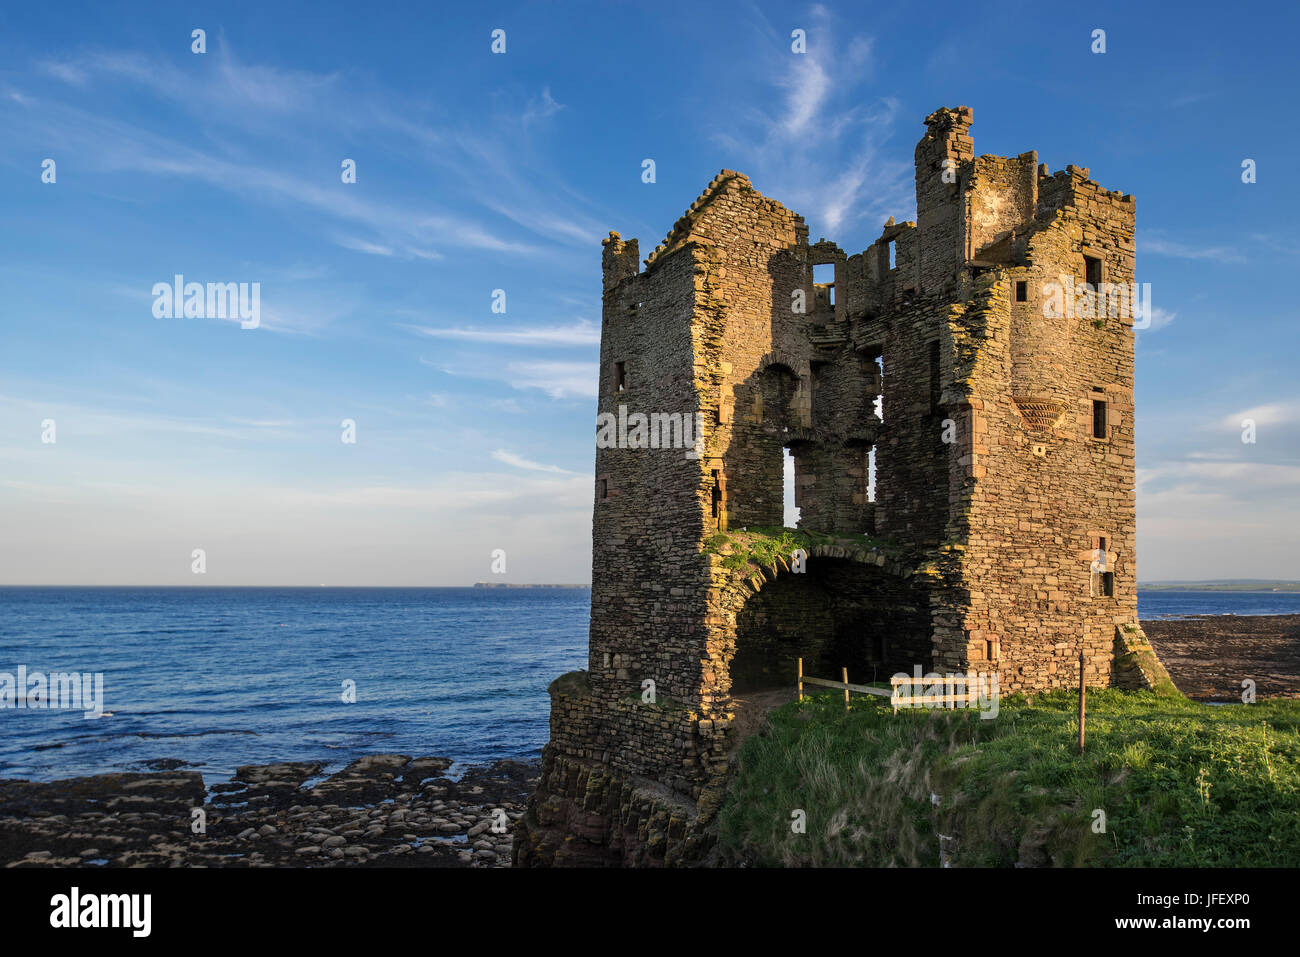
(1092, 271)
(824, 275)
(1103, 584)
(1022, 290)
(620, 376)
(1100, 420)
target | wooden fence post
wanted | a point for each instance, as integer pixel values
(800, 679)
(1083, 695)
(844, 675)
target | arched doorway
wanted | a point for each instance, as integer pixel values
(838, 613)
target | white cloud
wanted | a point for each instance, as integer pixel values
(557, 379)
(1273, 413)
(361, 246)
(541, 108)
(518, 461)
(114, 146)
(581, 333)
(1159, 319)
(1166, 247)
(820, 153)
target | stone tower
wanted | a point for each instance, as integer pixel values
(958, 405)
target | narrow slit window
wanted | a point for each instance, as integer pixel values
(893, 254)
(935, 389)
(1099, 418)
(717, 495)
(1092, 271)
(790, 511)
(620, 376)
(1022, 290)
(603, 489)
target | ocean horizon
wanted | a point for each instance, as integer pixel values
(207, 678)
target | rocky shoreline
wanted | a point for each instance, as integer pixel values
(383, 810)
(1208, 656)
(391, 810)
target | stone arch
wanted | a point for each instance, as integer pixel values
(797, 365)
(853, 606)
(786, 380)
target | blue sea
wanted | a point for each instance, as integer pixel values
(219, 677)
(1182, 604)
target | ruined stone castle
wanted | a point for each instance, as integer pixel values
(963, 455)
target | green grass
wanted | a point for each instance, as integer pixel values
(1180, 783)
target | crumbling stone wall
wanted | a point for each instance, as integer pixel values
(998, 485)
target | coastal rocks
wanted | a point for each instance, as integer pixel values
(379, 811)
(1209, 656)
(267, 785)
(582, 815)
(121, 792)
(364, 781)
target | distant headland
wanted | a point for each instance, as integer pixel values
(1222, 584)
(516, 585)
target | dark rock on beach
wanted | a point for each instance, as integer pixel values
(383, 810)
(1208, 656)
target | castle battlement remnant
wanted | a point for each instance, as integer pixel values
(957, 400)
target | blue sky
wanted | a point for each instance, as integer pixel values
(478, 172)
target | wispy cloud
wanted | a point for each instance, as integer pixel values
(820, 152)
(291, 106)
(1159, 318)
(1177, 250)
(559, 380)
(541, 108)
(518, 461)
(581, 333)
(216, 81)
(361, 246)
(1273, 413)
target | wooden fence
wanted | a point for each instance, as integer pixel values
(949, 698)
(825, 683)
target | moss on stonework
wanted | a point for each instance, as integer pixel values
(662, 702)
(571, 683)
(1133, 651)
(772, 547)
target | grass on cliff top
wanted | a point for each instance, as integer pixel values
(1180, 783)
(765, 546)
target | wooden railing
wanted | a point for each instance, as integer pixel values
(948, 698)
(826, 683)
